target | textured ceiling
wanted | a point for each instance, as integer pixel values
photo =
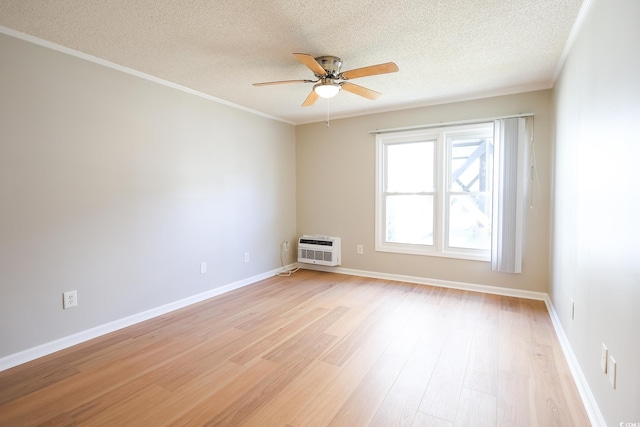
(445, 49)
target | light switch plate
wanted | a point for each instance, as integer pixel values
(604, 357)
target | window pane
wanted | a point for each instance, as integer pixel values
(470, 221)
(471, 161)
(410, 167)
(410, 219)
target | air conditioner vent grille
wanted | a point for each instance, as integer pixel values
(321, 250)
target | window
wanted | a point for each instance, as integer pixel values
(434, 191)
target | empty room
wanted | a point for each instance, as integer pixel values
(420, 213)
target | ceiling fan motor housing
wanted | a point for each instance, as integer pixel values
(331, 65)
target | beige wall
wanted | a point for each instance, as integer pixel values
(596, 202)
(336, 184)
(119, 187)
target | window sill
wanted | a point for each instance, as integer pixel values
(430, 253)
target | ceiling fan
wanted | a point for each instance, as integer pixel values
(329, 79)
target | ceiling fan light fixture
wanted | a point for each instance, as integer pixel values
(327, 90)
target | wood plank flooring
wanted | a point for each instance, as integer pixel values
(313, 349)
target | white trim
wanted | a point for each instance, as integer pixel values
(453, 123)
(53, 46)
(575, 29)
(86, 335)
(463, 286)
(588, 400)
(463, 97)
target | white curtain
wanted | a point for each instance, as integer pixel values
(510, 155)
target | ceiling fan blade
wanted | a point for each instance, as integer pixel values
(311, 63)
(359, 90)
(372, 70)
(311, 99)
(283, 82)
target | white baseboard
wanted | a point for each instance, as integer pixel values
(88, 334)
(588, 400)
(496, 290)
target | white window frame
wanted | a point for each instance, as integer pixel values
(440, 247)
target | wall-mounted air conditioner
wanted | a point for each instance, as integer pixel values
(320, 250)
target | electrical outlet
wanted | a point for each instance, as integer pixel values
(360, 249)
(611, 371)
(285, 245)
(604, 355)
(246, 257)
(69, 299)
(203, 267)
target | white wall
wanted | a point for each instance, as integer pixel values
(596, 201)
(336, 190)
(119, 187)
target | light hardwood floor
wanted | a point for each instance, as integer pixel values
(313, 349)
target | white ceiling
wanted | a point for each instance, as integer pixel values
(446, 49)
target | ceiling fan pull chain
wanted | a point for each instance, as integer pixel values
(327, 112)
